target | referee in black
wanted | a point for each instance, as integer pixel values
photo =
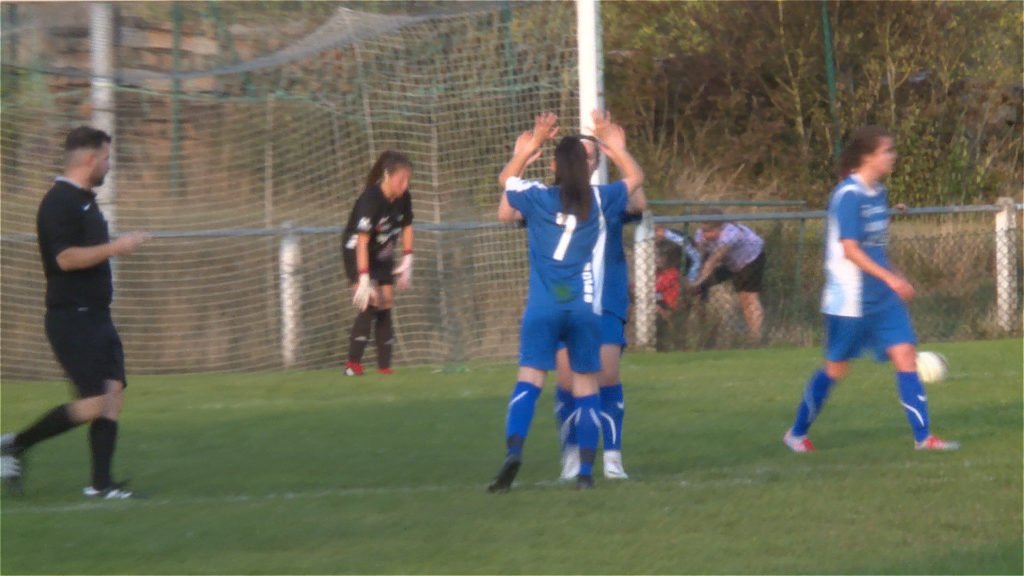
(76, 249)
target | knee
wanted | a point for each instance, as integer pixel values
(113, 400)
(836, 370)
(387, 298)
(608, 377)
(904, 358)
(584, 385)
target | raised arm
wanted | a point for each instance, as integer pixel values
(637, 202)
(527, 149)
(613, 141)
(545, 127)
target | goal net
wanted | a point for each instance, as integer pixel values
(245, 173)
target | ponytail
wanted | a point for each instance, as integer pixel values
(387, 162)
(572, 176)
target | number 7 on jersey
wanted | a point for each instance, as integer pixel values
(569, 221)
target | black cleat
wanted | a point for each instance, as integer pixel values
(507, 473)
(584, 482)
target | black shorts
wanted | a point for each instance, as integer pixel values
(87, 346)
(380, 270)
(750, 278)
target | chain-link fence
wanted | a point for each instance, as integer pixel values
(287, 303)
(243, 166)
(224, 156)
(964, 262)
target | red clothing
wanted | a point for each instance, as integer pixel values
(666, 288)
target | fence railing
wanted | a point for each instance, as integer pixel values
(704, 204)
(1004, 273)
(255, 299)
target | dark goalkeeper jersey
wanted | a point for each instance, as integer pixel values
(382, 220)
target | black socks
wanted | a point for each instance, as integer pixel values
(53, 423)
(102, 440)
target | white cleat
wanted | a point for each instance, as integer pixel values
(10, 468)
(11, 465)
(570, 462)
(116, 491)
(613, 465)
(935, 444)
(798, 444)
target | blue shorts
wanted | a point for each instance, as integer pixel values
(846, 337)
(543, 329)
(613, 331)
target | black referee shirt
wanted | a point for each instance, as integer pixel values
(69, 217)
(382, 220)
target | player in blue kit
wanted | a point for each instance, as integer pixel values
(864, 300)
(615, 306)
(564, 226)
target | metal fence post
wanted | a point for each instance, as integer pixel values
(102, 31)
(1006, 265)
(798, 273)
(644, 278)
(289, 261)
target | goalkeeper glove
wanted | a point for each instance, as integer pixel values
(404, 271)
(364, 290)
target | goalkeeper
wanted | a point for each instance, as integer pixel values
(381, 214)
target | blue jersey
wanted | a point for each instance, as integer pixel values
(615, 294)
(856, 212)
(566, 255)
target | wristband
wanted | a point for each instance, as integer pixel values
(407, 252)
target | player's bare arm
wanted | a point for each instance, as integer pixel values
(854, 253)
(710, 264)
(364, 294)
(404, 270)
(82, 257)
(612, 139)
(545, 127)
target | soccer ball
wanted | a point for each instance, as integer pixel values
(931, 367)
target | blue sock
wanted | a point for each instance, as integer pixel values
(565, 405)
(915, 403)
(613, 409)
(520, 414)
(587, 431)
(815, 394)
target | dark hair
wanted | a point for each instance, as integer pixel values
(597, 145)
(572, 176)
(85, 137)
(713, 224)
(387, 162)
(862, 142)
(672, 252)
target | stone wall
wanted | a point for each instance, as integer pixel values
(55, 36)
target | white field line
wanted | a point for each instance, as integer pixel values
(761, 475)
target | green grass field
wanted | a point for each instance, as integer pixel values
(310, 473)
